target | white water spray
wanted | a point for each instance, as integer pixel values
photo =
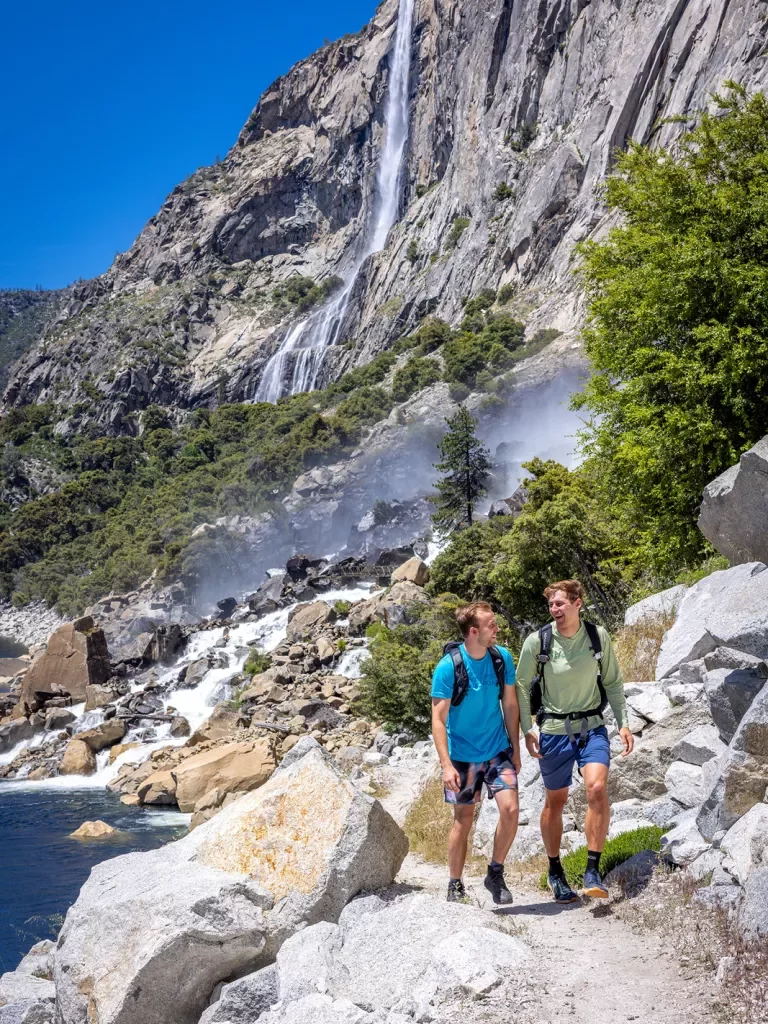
(303, 350)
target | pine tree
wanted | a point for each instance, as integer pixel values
(465, 464)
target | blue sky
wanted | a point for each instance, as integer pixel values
(104, 107)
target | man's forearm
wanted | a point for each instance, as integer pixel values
(512, 722)
(440, 737)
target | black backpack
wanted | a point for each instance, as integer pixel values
(537, 683)
(461, 677)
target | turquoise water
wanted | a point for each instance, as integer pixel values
(42, 869)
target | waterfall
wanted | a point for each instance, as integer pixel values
(300, 356)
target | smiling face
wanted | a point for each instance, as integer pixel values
(484, 633)
(563, 610)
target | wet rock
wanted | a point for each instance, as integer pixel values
(58, 718)
(308, 619)
(159, 789)
(104, 735)
(227, 606)
(224, 722)
(16, 731)
(93, 830)
(79, 759)
(180, 726)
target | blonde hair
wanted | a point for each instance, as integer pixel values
(467, 616)
(571, 588)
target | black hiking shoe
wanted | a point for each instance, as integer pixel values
(496, 886)
(562, 892)
(456, 891)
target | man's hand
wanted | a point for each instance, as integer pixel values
(517, 762)
(532, 743)
(451, 778)
(628, 740)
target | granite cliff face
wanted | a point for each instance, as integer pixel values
(532, 96)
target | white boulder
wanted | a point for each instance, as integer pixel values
(700, 745)
(746, 842)
(728, 608)
(684, 843)
(684, 783)
(649, 702)
(733, 508)
(152, 934)
(657, 606)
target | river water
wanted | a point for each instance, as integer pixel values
(42, 868)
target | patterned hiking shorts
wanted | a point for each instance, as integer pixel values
(497, 774)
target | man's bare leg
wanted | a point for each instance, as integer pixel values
(463, 815)
(598, 808)
(506, 829)
(552, 820)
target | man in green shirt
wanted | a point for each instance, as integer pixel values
(569, 687)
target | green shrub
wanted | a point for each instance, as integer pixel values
(503, 191)
(615, 852)
(256, 662)
(519, 139)
(396, 678)
(417, 373)
(412, 252)
(303, 293)
(342, 610)
(432, 334)
(459, 226)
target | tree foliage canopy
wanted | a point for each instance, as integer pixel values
(678, 324)
(465, 466)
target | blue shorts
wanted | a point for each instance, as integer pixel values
(559, 754)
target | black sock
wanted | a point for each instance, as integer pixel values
(495, 864)
(593, 860)
(453, 881)
(555, 867)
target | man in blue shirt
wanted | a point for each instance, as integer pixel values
(477, 742)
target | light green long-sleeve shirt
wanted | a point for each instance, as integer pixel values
(570, 679)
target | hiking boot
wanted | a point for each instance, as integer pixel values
(562, 892)
(496, 886)
(594, 885)
(456, 892)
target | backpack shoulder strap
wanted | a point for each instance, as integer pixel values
(460, 676)
(545, 646)
(597, 651)
(499, 668)
(594, 639)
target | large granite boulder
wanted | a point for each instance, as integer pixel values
(152, 934)
(740, 778)
(700, 745)
(728, 608)
(734, 508)
(753, 913)
(306, 620)
(434, 950)
(79, 759)
(663, 605)
(17, 731)
(414, 570)
(402, 603)
(76, 657)
(241, 1001)
(730, 693)
(104, 735)
(233, 766)
(746, 842)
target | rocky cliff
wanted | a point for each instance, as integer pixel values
(515, 111)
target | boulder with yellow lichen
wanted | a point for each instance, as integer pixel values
(152, 934)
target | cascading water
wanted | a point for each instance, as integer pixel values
(302, 352)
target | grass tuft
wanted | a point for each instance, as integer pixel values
(637, 647)
(615, 852)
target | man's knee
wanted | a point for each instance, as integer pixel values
(508, 811)
(555, 799)
(463, 817)
(597, 792)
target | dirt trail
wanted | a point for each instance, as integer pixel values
(589, 966)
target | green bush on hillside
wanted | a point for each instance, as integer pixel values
(417, 373)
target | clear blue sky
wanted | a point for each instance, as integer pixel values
(104, 107)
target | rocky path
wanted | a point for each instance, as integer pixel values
(588, 965)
